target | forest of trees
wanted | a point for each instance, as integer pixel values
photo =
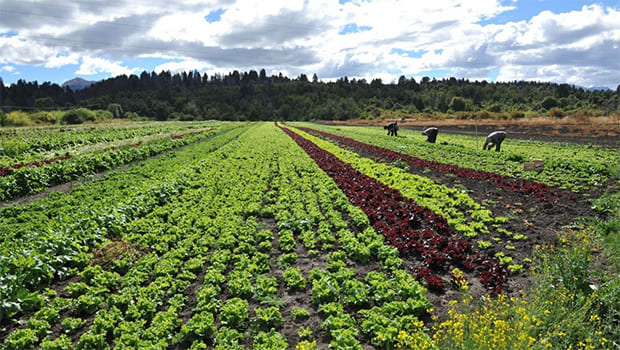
(255, 96)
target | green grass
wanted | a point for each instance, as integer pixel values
(574, 302)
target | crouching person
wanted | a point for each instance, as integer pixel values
(494, 139)
(392, 129)
(431, 134)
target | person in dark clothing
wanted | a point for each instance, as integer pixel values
(431, 134)
(494, 139)
(392, 129)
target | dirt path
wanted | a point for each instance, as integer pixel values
(65, 188)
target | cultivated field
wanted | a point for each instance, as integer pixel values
(270, 235)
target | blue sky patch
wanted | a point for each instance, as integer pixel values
(526, 9)
(353, 28)
(435, 73)
(492, 76)
(35, 73)
(408, 53)
(147, 63)
(215, 16)
(9, 34)
(342, 2)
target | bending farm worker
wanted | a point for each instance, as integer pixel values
(392, 129)
(431, 134)
(494, 139)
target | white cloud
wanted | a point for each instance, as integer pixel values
(94, 65)
(301, 36)
(579, 47)
(61, 60)
(7, 68)
(16, 50)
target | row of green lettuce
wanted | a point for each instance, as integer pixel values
(33, 179)
(22, 146)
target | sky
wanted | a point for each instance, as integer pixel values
(560, 41)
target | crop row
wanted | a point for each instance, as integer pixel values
(573, 167)
(311, 209)
(534, 189)
(20, 145)
(462, 212)
(409, 227)
(221, 253)
(32, 178)
(117, 135)
(8, 170)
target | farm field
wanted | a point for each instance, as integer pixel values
(297, 235)
(33, 159)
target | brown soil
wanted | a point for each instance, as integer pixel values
(301, 299)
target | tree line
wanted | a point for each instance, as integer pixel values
(256, 96)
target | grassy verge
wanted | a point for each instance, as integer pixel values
(574, 304)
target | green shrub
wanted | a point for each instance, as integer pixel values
(46, 117)
(116, 110)
(131, 115)
(102, 115)
(495, 108)
(556, 113)
(18, 118)
(459, 104)
(3, 118)
(78, 116)
(549, 102)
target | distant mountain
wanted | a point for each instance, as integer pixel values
(597, 88)
(77, 84)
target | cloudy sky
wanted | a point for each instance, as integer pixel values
(564, 41)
